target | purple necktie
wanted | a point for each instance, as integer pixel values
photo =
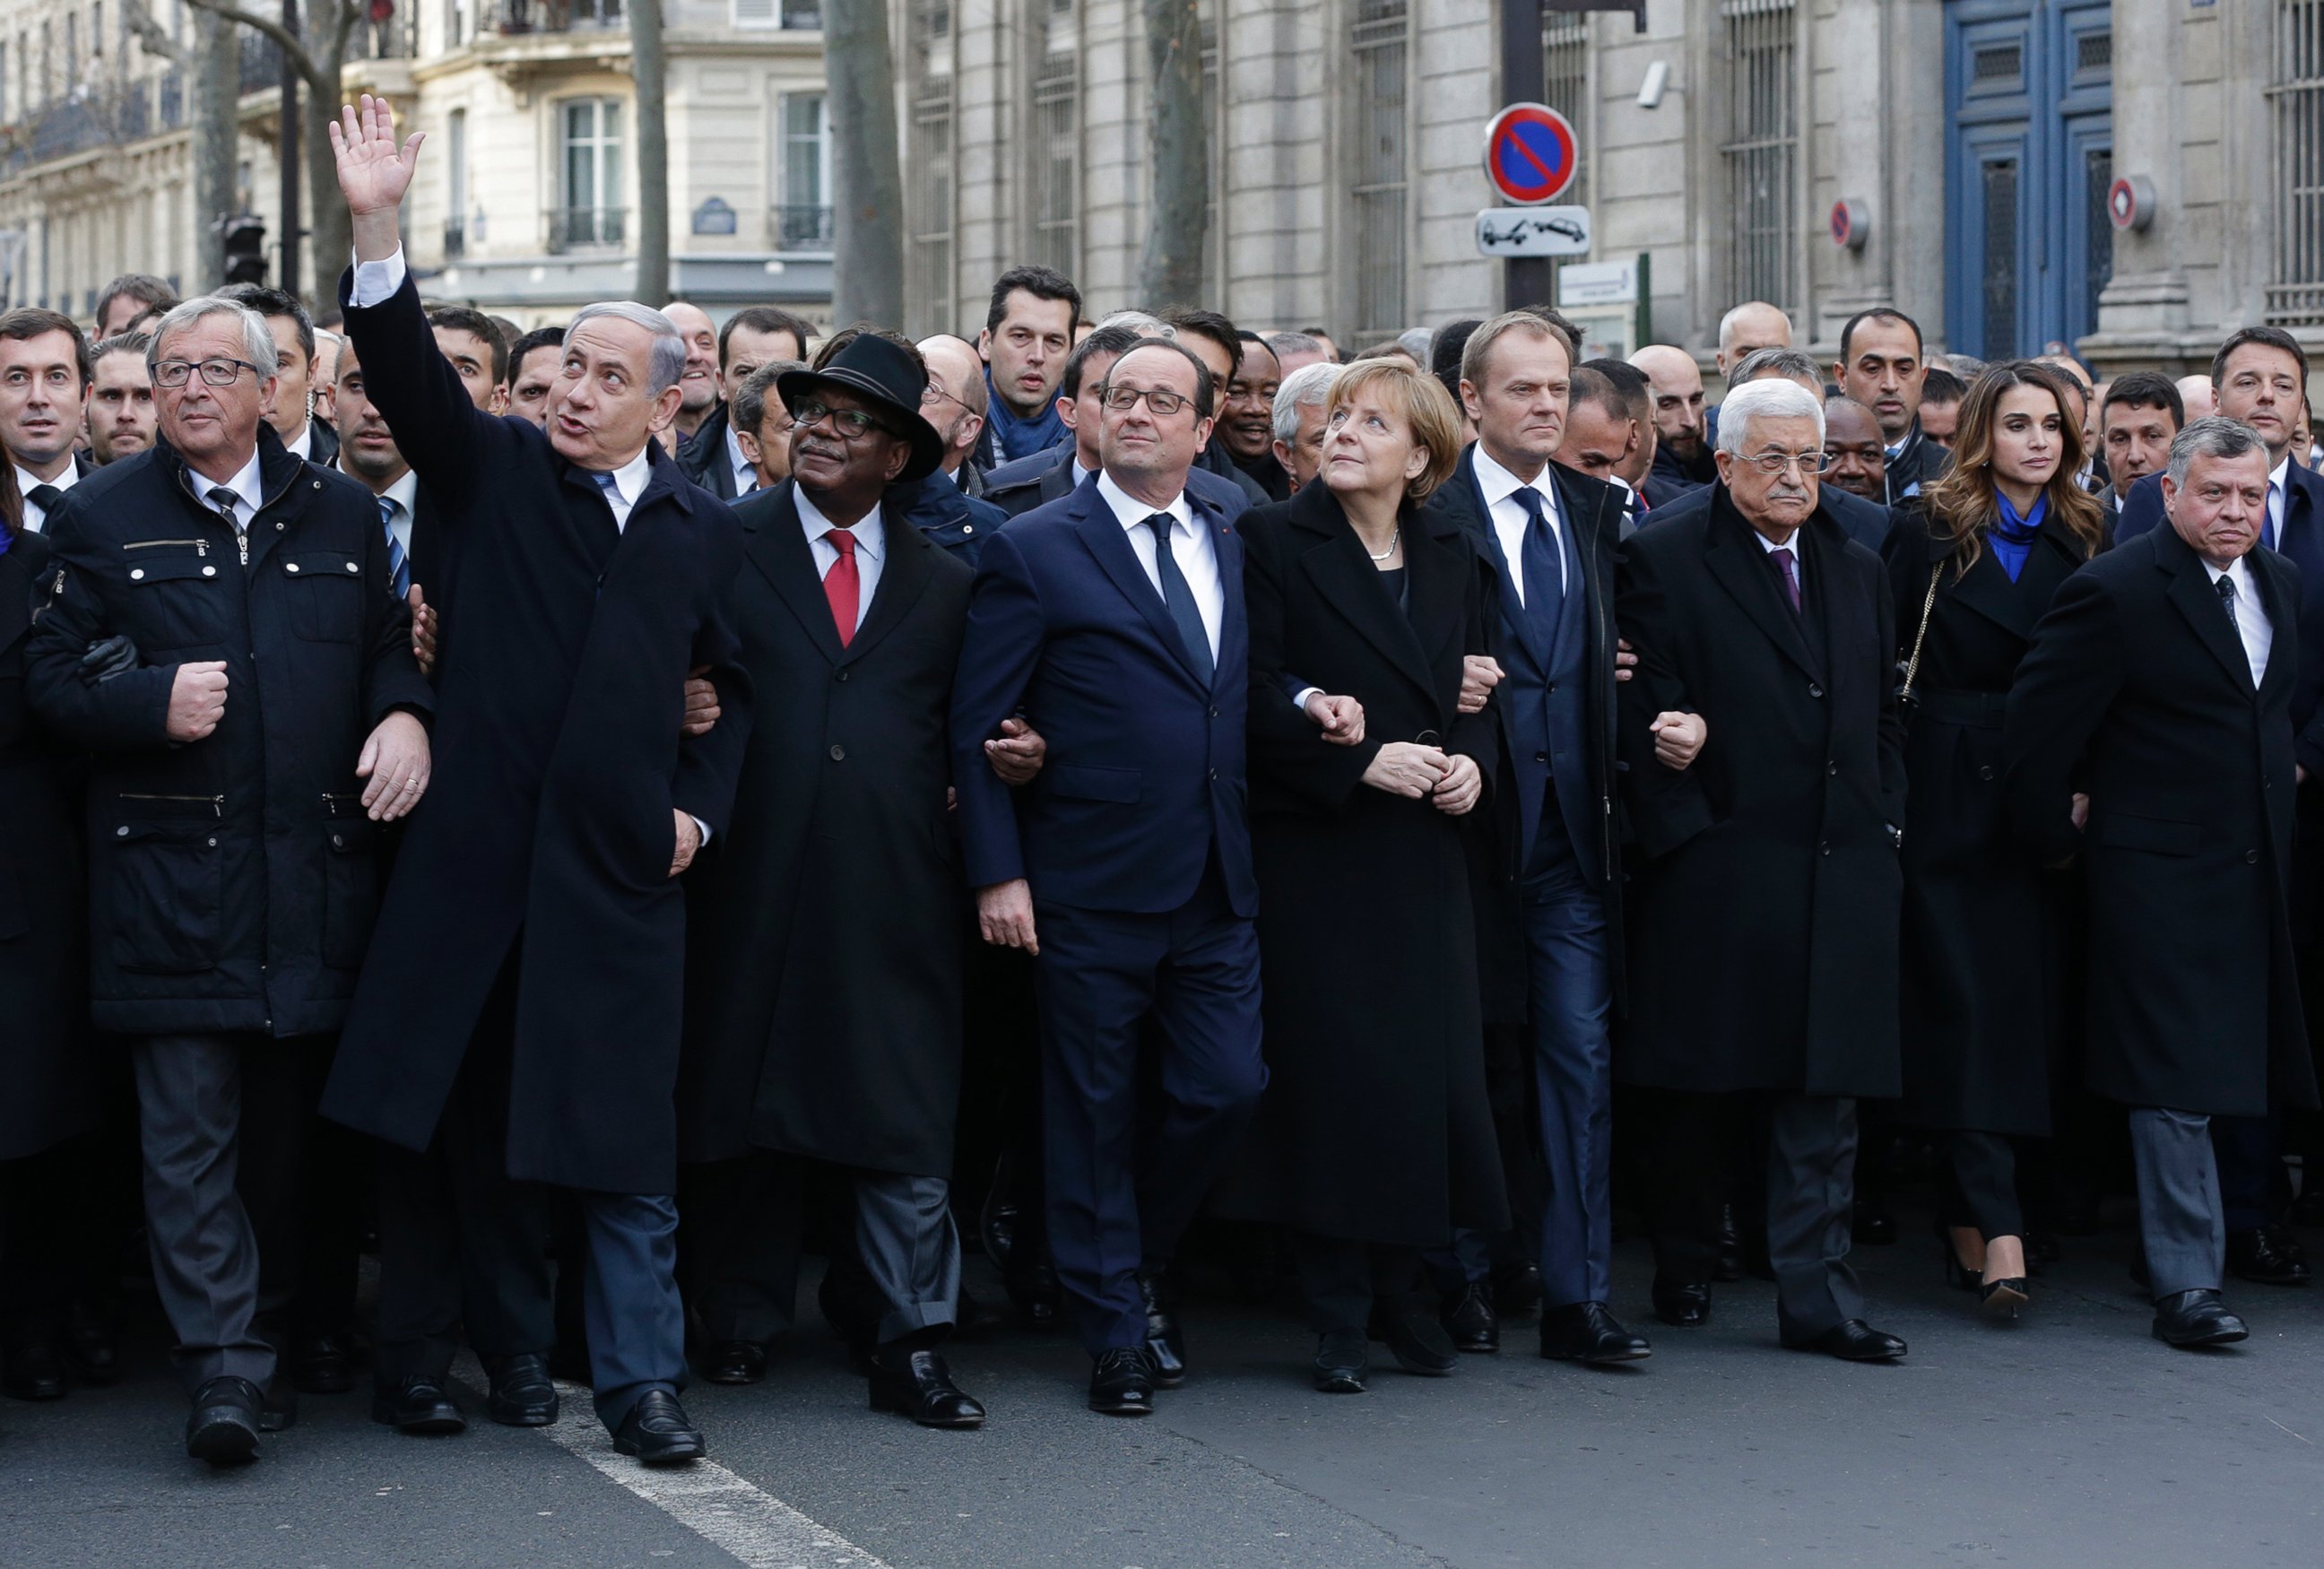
(1783, 558)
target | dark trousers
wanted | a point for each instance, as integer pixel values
(1570, 1002)
(306, 1184)
(1810, 1180)
(1342, 1280)
(2253, 1186)
(2180, 1218)
(1116, 1209)
(1981, 1184)
(205, 1102)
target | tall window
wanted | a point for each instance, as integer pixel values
(1377, 191)
(455, 183)
(1056, 141)
(1565, 86)
(929, 202)
(803, 217)
(1761, 149)
(590, 213)
(2295, 295)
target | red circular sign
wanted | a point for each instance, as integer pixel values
(2122, 203)
(1842, 226)
(1531, 153)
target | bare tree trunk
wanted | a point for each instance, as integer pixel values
(287, 139)
(1178, 157)
(330, 231)
(213, 89)
(650, 71)
(867, 182)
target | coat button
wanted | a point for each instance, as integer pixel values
(121, 832)
(967, 529)
(1214, 713)
(1541, 757)
(1985, 772)
(838, 752)
(355, 567)
(1824, 848)
(338, 841)
(289, 566)
(1831, 770)
(209, 571)
(839, 676)
(137, 574)
(1214, 774)
(2251, 857)
(1814, 690)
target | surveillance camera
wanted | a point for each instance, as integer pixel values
(1650, 90)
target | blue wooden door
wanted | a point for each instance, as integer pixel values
(2028, 158)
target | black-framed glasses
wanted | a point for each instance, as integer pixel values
(854, 424)
(1160, 400)
(217, 373)
(1776, 462)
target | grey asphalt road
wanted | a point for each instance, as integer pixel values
(2070, 1438)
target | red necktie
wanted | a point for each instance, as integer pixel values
(841, 585)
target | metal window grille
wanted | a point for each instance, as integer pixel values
(2296, 101)
(1381, 42)
(1761, 149)
(1565, 85)
(1056, 159)
(929, 200)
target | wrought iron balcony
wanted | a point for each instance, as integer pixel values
(586, 228)
(511, 16)
(802, 228)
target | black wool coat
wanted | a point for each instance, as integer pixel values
(232, 880)
(2137, 692)
(824, 945)
(49, 1082)
(1765, 882)
(549, 829)
(1985, 1000)
(1375, 1124)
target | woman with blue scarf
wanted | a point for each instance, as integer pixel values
(1987, 995)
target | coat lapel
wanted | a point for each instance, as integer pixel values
(902, 575)
(1235, 629)
(1103, 536)
(2192, 591)
(777, 546)
(1335, 560)
(1732, 553)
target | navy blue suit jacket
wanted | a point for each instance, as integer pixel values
(2302, 539)
(1145, 772)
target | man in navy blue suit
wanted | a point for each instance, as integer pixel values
(1113, 618)
(2258, 377)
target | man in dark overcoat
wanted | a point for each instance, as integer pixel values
(232, 880)
(824, 939)
(538, 901)
(2159, 687)
(1765, 890)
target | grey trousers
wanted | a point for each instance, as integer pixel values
(194, 1094)
(2179, 1215)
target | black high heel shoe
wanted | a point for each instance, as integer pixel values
(1957, 1274)
(2002, 1299)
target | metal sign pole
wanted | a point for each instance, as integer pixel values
(1526, 279)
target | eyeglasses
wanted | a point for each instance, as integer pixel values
(1777, 462)
(932, 393)
(1160, 400)
(217, 373)
(854, 424)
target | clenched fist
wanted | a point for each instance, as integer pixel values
(196, 699)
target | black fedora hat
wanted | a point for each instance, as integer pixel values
(885, 375)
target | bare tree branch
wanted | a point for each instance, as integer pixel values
(151, 36)
(288, 42)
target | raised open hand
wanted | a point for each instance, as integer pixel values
(373, 172)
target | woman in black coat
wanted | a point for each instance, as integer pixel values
(1375, 1138)
(1983, 992)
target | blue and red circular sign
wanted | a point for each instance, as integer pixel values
(1531, 153)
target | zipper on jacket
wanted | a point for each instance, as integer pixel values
(201, 547)
(331, 799)
(217, 804)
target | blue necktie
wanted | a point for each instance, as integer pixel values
(1544, 568)
(2267, 516)
(1179, 599)
(398, 565)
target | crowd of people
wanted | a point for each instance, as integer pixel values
(596, 814)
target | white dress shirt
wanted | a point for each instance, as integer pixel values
(375, 281)
(36, 516)
(1191, 548)
(301, 446)
(2251, 620)
(871, 548)
(1510, 518)
(400, 497)
(244, 485)
(629, 485)
(746, 473)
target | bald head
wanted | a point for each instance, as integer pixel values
(1676, 381)
(955, 402)
(698, 387)
(1751, 326)
(2195, 395)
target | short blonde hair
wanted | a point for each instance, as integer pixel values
(1423, 404)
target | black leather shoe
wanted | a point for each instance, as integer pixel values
(1517, 1291)
(2191, 1319)
(1869, 1226)
(658, 1431)
(735, 1362)
(223, 1427)
(1470, 1319)
(1730, 1242)
(321, 1364)
(2265, 1257)
(89, 1347)
(522, 1395)
(1165, 1343)
(1585, 1331)
(417, 1404)
(1121, 1384)
(1681, 1306)
(922, 1388)
(1342, 1359)
(1418, 1342)
(35, 1372)
(1853, 1342)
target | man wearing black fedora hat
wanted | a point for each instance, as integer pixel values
(823, 999)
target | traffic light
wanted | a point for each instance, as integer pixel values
(245, 248)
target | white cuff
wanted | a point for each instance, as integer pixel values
(375, 281)
(702, 828)
(1300, 700)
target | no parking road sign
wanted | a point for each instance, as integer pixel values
(1530, 154)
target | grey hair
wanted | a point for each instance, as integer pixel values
(1415, 341)
(257, 342)
(1307, 384)
(1145, 323)
(750, 397)
(1792, 365)
(1769, 398)
(1284, 342)
(665, 362)
(2213, 436)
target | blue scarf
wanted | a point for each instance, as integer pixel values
(1018, 437)
(2011, 536)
